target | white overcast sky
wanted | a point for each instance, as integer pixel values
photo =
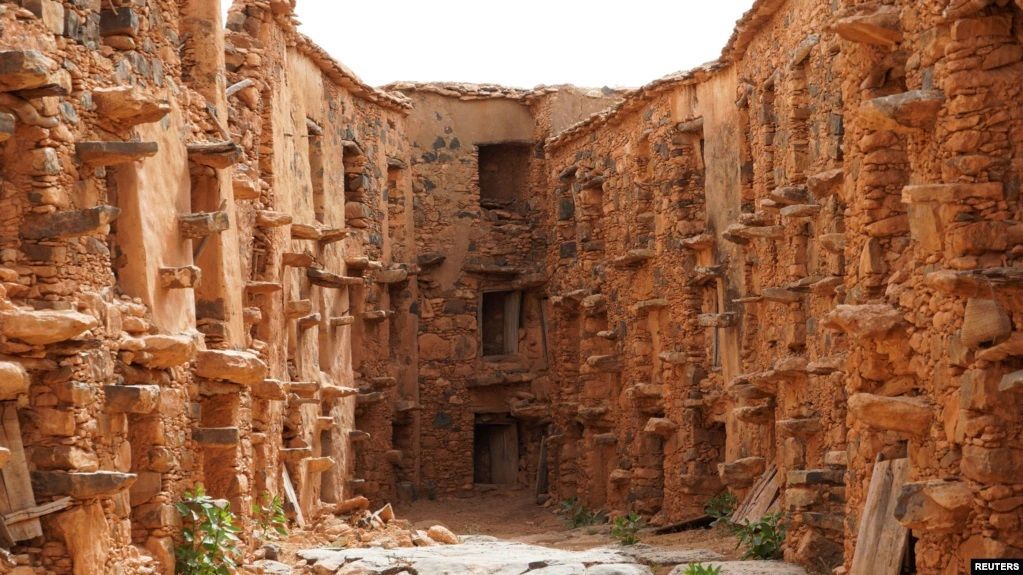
(520, 42)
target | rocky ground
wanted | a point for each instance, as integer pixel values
(497, 534)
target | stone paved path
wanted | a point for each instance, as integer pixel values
(481, 555)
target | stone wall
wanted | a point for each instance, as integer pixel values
(198, 273)
(226, 260)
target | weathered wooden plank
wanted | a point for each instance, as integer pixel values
(37, 511)
(881, 540)
(752, 502)
(16, 486)
(291, 496)
(768, 499)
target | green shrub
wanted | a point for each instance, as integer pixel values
(577, 515)
(763, 539)
(210, 543)
(624, 528)
(701, 569)
(721, 507)
(268, 515)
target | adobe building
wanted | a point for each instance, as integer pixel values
(792, 273)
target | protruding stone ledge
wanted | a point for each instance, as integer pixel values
(900, 414)
(305, 232)
(604, 363)
(650, 305)
(934, 506)
(879, 27)
(239, 367)
(727, 319)
(304, 389)
(332, 235)
(44, 327)
(162, 351)
(318, 464)
(298, 259)
(216, 436)
(754, 414)
(358, 436)
(362, 263)
(14, 380)
(262, 287)
(24, 70)
(329, 280)
(430, 259)
(202, 224)
(270, 390)
(781, 295)
(864, 321)
(913, 110)
(633, 258)
(801, 428)
(798, 211)
(69, 223)
(660, 426)
(271, 219)
(391, 276)
(114, 153)
(376, 315)
(824, 184)
(140, 399)
(217, 155)
(308, 322)
(500, 378)
(80, 485)
(741, 472)
(366, 399)
(341, 321)
(332, 392)
(129, 105)
(789, 195)
(674, 357)
(952, 193)
(324, 423)
(697, 242)
(185, 277)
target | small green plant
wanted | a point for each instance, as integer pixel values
(210, 543)
(268, 515)
(721, 507)
(763, 539)
(624, 528)
(578, 515)
(701, 569)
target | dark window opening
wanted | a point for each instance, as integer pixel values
(500, 316)
(495, 452)
(315, 135)
(503, 174)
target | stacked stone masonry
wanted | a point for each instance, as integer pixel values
(226, 260)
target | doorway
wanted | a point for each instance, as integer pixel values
(495, 452)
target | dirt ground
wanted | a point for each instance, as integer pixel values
(513, 514)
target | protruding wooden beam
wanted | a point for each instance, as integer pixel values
(326, 279)
(114, 153)
(217, 155)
